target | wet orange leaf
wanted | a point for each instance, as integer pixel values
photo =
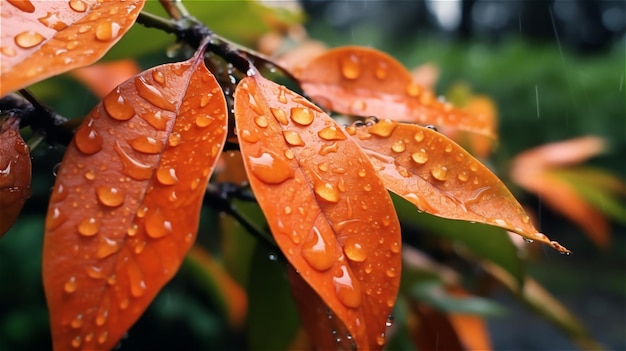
(441, 178)
(40, 39)
(328, 211)
(15, 173)
(431, 330)
(126, 202)
(364, 82)
(101, 78)
(536, 171)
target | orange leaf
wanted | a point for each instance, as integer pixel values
(364, 82)
(328, 211)
(15, 173)
(101, 78)
(126, 203)
(441, 178)
(532, 171)
(43, 38)
(431, 330)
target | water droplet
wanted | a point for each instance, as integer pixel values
(270, 168)
(107, 30)
(95, 272)
(8, 51)
(153, 95)
(101, 317)
(157, 226)
(159, 77)
(331, 133)
(78, 5)
(55, 219)
(124, 303)
(439, 173)
(110, 196)
(354, 250)
(318, 250)
(117, 107)
(146, 144)
(88, 140)
(70, 285)
(420, 157)
(89, 226)
(280, 116)
(166, 175)
(367, 187)
(346, 287)
(131, 167)
(156, 120)
(398, 146)
(76, 341)
(23, 5)
(174, 139)
(51, 20)
(293, 138)
(323, 166)
(103, 337)
(106, 247)
(463, 176)
(525, 219)
(380, 340)
(390, 272)
(203, 120)
(28, 39)
(383, 128)
(448, 148)
(381, 70)
(302, 115)
(112, 279)
(326, 191)
(287, 210)
(395, 247)
(135, 277)
(77, 322)
(427, 98)
(350, 66)
(328, 148)
(389, 321)
(261, 121)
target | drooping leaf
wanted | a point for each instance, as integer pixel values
(126, 202)
(101, 78)
(440, 178)
(15, 172)
(43, 38)
(537, 171)
(328, 211)
(365, 82)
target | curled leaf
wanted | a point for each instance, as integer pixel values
(364, 82)
(126, 202)
(15, 173)
(43, 38)
(441, 178)
(326, 207)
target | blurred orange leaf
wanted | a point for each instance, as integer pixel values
(126, 203)
(365, 82)
(327, 209)
(40, 39)
(101, 78)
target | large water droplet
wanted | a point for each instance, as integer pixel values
(146, 144)
(398, 146)
(280, 116)
(77, 322)
(326, 191)
(166, 175)
(159, 77)
(117, 107)
(380, 339)
(76, 341)
(155, 119)
(440, 172)
(106, 247)
(331, 133)
(463, 176)
(346, 287)
(203, 120)
(51, 20)
(293, 138)
(383, 128)
(78, 5)
(8, 51)
(251, 137)
(318, 251)
(88, 140)
(135, 277)
(354, 250)
(28, 39)
(70, 285)
(270, 168)
(328, 148)
(302, 115)
(89, 226)
(420, 157)
(261, 121)
(23, 5)
(350, 66)
(157, 226)
(55, 218)
(131, 167)
(153, 95)
(103, 337)
(107, 30)
(95, 272)
(110, 196)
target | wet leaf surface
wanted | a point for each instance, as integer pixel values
(15, 173)
(366, 82)
(126, 202)
(328, 211)
(43, 38)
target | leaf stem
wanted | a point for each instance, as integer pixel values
(149, 20)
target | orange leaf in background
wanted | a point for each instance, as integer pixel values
(365, 82)
(126, 203)
(15, 173)
(40, 39)
(534, 170)
(101, 78)
(326, 207)
(441, 178)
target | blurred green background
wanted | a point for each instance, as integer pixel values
(555, 70)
